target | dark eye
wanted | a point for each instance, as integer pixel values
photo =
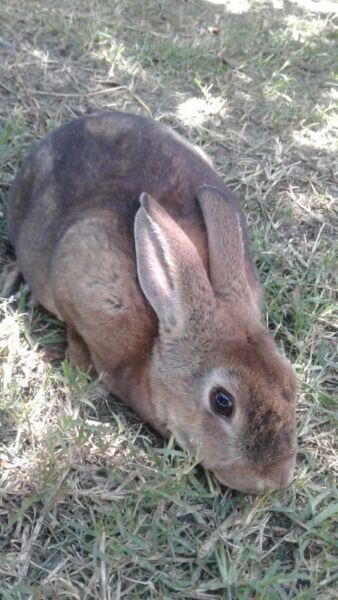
(221, 402)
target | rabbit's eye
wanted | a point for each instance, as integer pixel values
(221, 402)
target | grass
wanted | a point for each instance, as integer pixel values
(92, 503)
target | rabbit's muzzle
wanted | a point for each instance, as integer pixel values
(244, 478)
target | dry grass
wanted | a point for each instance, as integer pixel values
(93, 504)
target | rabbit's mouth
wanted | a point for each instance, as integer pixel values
(245, 478)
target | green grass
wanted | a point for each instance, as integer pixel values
(93, 504)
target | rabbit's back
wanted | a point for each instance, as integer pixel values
(93, 166)
(104, 161)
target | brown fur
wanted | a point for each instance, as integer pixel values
(161, 299)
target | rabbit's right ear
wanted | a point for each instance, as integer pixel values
(232, 272)
(169, 268)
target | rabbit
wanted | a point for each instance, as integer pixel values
(125, 232)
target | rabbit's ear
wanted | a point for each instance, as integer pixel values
(170, 271)
(232, 271)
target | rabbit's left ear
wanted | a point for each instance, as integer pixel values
(232, 272)
(169, 268)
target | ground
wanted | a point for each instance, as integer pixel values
(92, 503)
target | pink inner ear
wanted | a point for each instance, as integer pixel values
(158, 280)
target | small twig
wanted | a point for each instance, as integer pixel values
(103, 573)
(309, 211)
(231, 520)
(7, 89)
(92, 93)
(71, 94)
(27, 547)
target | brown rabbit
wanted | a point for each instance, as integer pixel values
(126, 233)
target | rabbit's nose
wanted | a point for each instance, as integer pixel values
(281, 474)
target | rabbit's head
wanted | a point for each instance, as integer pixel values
(217, 380)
